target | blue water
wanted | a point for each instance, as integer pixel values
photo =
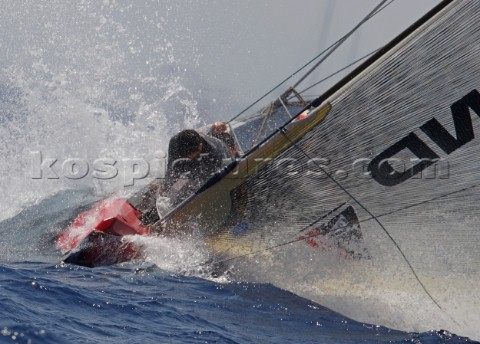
(45, 301)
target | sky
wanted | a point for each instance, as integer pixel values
(247, 47)
(227, 53)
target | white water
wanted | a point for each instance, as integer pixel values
(182, 255)
(83, 82)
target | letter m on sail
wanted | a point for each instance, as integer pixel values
(462, 121)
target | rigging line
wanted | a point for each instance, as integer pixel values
(337, 72)
(281, 83)
(341, 227)
(381, 9)
(269, 248)
(425, 201)
(304, 66)
(285, 243)
(368, 212)
(337, 45)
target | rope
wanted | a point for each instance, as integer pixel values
(342, 227)
(377, 10)
(337, 72)
(372, 217)
(338, 44)
(371, 214)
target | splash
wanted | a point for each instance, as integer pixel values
(186, 255)
(85, 81)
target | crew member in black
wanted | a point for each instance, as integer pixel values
(192, 159)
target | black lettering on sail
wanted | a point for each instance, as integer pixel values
(462, 121)
(385, 174)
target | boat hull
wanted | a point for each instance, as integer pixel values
(96, 236)
(100, 249)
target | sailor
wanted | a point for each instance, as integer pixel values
(192, 159)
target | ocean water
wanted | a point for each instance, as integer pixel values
(46, 301)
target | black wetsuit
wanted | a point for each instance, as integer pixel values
(184, 176)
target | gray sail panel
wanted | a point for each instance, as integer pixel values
(416, 107)
(433, 75)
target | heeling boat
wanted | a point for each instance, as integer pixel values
(364, 198)
(368, 205)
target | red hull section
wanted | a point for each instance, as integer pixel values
(95, 236)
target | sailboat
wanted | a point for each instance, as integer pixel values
(363, 199)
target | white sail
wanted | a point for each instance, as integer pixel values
(372, 211)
